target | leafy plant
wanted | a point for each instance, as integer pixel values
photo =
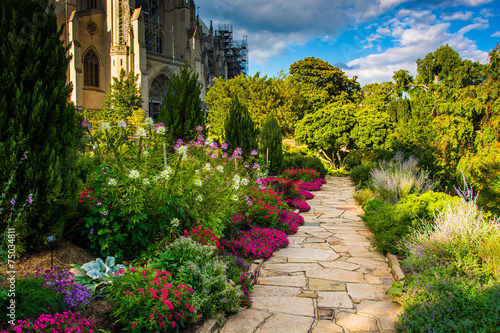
(98, 273)
(148, 300)
(239, 129)
(303, 159)
(363, 195)
(360, 175)
(256, 243)
(270, 139)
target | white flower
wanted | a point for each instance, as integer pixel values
(207, 167)
(197, 172)
(165, 174)
(160, 130)
(105, 126)
(234, 197)
(156, 178)
(198, 182)
(112, 182)
(199, 198)
(134, 174)
(209, 142)
(148, 121)
(244, 181)
(175, 222)
(141, 132)
(121, 124)
(182, 150)
(146, 153)
(236, 179)
(236, 186)
(145, 181)
(220, 168)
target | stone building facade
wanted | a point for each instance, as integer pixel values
(153, 38)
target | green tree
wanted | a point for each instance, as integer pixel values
(36, 117)
(123, 97)
(372, 130)
(261, 95)
(328, 130)
(271, 144)
(239, 130)
(181, 112)
(493, 68)
(322, 82)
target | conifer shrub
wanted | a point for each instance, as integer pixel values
(36, 117)
(270, 144)
(239, 129)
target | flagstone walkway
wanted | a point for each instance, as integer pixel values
(327, 280)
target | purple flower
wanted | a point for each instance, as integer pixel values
(105, 213)
(224, 146)
(179, 142)
(91, 231)
(201, 137)
(256, 166)
(86, 123)
(199, 128)
(13, 201)
(30, 199)
(253, 152)
(214, 155)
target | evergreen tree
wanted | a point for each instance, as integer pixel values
(35, 117)
(270, 144)
(239, 128)
(181, 112)
(123, 98)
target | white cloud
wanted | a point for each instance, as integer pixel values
(457, 16)
(486, 12)
(496, 34)
(480, 24)
(413, 39)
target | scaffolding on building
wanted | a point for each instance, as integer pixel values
(151, 12)
(236, 52)
(123, 22)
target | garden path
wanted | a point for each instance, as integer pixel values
(327, 280)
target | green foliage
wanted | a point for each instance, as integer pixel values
(338, 172)
(391, 224)
(366, 157)
(279, 95)
(36, 117)
(123, 97)
(328, 129)
(181, 111)
(303, 159)
(32, 298)
(322, 82)
(210, 276)
(363, 195)
(270, 139)
(361, 175)
(372, 130)
(239, 131)
(98, 273)
(439, 301)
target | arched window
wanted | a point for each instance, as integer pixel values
(156, 94)
(91, 69)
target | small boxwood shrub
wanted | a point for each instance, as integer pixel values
(296, 160)
(360, 175)
(366, 157)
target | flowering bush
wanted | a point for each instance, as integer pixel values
(67, 321)
(75, 295)
(310, 186)
(293, 220)
(287, 188)
(256, 243)
(299, 204)
(265, 208)
(149, 300)
(306, 194)
(202, 236)
(301, 174)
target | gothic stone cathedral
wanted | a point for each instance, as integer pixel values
(150, 37)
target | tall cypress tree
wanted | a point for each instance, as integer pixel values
(181, 112)
(271, 144)
(35, 117)
(239, 129)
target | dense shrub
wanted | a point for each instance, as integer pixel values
(303, 175)
(287, 188)
(363, 195)
(239, 129)
(299, 204)
(297, 160)
(265, 208)
(270, 142)
(391, 224)
(360, 175)
(440, 301)
(366, 157)
(293, 220)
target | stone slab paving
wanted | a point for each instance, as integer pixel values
(329, 279)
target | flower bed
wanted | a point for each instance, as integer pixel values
(256, 243)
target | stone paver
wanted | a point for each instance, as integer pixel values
(328, 280)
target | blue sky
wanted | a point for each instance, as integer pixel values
(367, 38)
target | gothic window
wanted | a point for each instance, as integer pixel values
(90, 4)
(91, 69)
